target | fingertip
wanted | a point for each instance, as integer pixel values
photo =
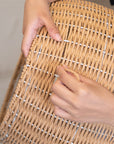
(63, 66)
(24, 49)
(57, 37)
(60, 71)
(59, 67)
(25, 53)
(52, 29)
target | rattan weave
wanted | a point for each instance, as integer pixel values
(87, 46)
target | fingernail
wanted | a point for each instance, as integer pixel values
(58, 37)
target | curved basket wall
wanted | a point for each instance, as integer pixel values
(87, 31)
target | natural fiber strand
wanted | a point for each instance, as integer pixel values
(87, 46)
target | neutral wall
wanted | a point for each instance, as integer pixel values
(11, 17)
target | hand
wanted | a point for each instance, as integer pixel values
(36, 15)
(80, 99)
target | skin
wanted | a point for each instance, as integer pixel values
(37, 15)
(80, 99)
(75, 97)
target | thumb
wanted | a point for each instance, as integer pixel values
(28, 37)
(52, 29)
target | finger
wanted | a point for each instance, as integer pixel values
(52, 29)
(68, 80)
(62, 113)
(64, 93)
(29, 35)
(86, 80)
(57, 101)
(71, 72)
(78, 76)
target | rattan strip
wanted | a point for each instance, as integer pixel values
(88, 48)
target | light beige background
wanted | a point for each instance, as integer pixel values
(11, 18)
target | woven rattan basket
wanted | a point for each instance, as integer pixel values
(27, 115)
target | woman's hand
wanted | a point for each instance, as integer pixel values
(36, 15)
(80, 99)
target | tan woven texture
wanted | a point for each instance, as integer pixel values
(87, 47)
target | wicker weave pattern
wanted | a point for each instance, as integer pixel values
(87, 31)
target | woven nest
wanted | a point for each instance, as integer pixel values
(27, 115)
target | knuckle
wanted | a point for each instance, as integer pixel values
(83, 91)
